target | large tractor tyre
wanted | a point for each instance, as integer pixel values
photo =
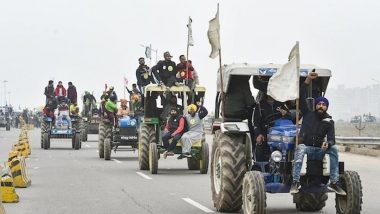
(351, 202)
(153, 158)
(107, 149)
(46, 141)
(44, 128)
(228, 166)
(254, 195)
(203, 165)
(101, 137)
(310, 202)
(193, 163)
(248, 151)
(77, 141)
(73, 142)
(8, 127)
(147, 135)
(84, 132)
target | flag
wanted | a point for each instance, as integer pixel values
(214, 36)
(148, 52)
(125, 81)
(284, 84)
(190, 31)
(105, 86)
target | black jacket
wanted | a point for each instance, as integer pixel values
(265, 115)
(49, 91)
(315, 127)
(143, 77)
(166, 70)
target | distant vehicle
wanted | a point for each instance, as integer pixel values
(5, 118)
(369, 118)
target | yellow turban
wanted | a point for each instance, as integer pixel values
(192, 107)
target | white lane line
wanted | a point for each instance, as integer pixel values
(117, 161)
(198, 205)
(97, 151)
(88, 146)
(36, 167)
(144, 176)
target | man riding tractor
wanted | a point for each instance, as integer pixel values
(108, 122)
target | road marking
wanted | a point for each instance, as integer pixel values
(198, 205)
(144, 176)
(117, 161)
(97, 151)
(36, 167)
(88, 146)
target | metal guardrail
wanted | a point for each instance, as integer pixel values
(358, 140)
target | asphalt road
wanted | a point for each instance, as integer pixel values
(69, 181)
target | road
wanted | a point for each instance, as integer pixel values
(68, 181)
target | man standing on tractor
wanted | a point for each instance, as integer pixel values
(49, 91)
(266, 112)
(111, 93)
(167, 70)
(111, 110)
(185, 71)
(72, 93)
(173, 130)
(143, 75)
(316, 125)
(195, 128)
(60, 91)
(89, 102)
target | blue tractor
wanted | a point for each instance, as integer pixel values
(124, 137)
(61, 130)
(238, 180)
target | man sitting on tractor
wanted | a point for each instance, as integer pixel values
(173, 130)
(266, 112)
(123, 110)
(63, 112)
(195, 128)
(316, 125)
(88, 102)
(74, 109)
(50, 108)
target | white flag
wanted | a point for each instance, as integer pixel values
(284, 84)
(190, 31)
(213, 35)
(148, 52)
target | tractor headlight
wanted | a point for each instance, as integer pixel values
(276, 156)
(133, 122)
(231, 127)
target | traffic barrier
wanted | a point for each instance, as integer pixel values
(2, 211)
(7, 189)
(25, 143)
(19, 173)
(21, 148)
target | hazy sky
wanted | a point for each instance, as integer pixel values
(92, 42)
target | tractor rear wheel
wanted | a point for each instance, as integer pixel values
(77, 141)
(147, 135)
(228, 166)
(101, 140)
(46, 141)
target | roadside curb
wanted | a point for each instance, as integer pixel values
(360, 150)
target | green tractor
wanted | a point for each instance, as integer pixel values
(150, 145)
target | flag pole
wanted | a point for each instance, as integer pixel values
(298, 100)
(187, 52)
(220, 70)
(124, 85)
(150, 58)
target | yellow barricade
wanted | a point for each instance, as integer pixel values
(7, 189)
(18, 170)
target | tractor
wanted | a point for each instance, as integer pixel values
(150, 146)
(238, 180)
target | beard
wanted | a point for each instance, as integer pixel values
(320, 112)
